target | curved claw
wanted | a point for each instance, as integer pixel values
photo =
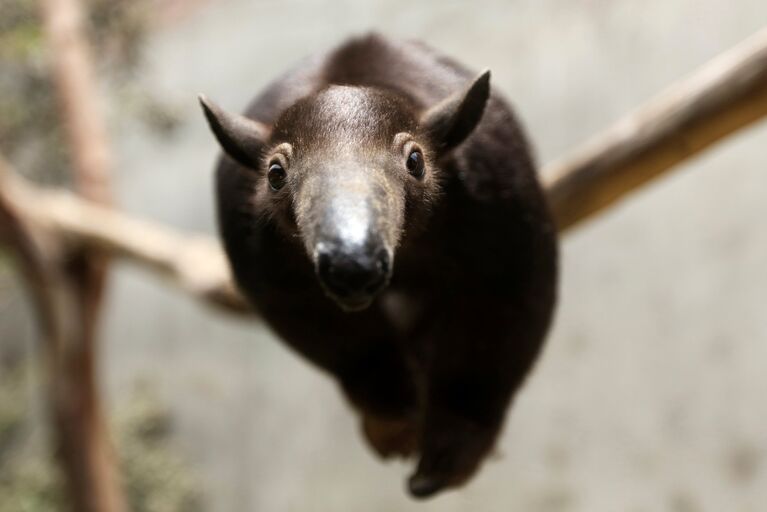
(423, 486)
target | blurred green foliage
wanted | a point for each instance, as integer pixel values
(30, 132)
(28, 124)
(155, 477)
(12, 409)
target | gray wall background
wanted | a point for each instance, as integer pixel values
(651, 392)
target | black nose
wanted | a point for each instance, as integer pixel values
(353, 273)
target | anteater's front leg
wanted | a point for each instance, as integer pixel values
(481, 351)
(362, 352)
(377, 381)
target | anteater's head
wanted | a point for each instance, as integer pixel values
(349, 170)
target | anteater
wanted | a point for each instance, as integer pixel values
(380, 209)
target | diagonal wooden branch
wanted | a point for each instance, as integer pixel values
(193, 263)
(724, 97)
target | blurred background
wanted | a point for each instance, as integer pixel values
(650, 395)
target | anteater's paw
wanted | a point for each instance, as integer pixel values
(389, 437)
(424, 484)
(450, 457)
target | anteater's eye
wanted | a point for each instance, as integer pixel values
(415, 164)
(276, 176)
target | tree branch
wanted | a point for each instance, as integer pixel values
(724, 96)
(192, 263)
(39, 254)
(84, 449)
(17, 233)
(78, 97)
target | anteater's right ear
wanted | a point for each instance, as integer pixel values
(241, 138)
(454, 118)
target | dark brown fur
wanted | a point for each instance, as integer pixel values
(433, 363)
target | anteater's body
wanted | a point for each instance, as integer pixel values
(431, 361)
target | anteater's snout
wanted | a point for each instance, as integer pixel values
(353, 276)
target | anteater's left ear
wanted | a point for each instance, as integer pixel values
(241, 138)
(454, 118)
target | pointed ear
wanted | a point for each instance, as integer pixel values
(241, 138)
(452, 120)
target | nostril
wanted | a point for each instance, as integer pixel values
(353, 273)
(383, 262)
(378, 277)
(324, 265)
(331, 273)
